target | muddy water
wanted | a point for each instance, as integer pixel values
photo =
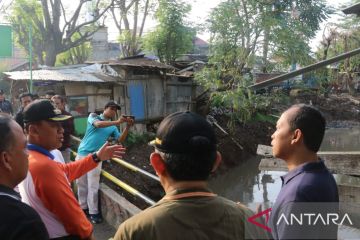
(245, 183)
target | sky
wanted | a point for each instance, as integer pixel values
(199, 13)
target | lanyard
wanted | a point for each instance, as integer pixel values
(189, 194)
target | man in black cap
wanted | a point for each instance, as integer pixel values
(185, 155)
(5, 105)
(47, 185)
(99, 129)
(18, 220)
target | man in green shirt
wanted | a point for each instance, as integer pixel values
(185, 155)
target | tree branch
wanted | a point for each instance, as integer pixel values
(144, 17)
(117, 23)
(77, 28)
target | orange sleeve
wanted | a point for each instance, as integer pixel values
(55, 193)
(76, 169)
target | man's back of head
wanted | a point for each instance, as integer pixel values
(187, 144)
(185, 155)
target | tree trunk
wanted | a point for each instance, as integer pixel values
(265, 49)
(50, 52)
(349, 78)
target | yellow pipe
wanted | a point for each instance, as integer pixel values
(126, 187)
(135, 169)
(120, 183)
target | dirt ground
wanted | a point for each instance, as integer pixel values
(339, 110)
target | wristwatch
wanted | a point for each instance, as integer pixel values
(95, 157)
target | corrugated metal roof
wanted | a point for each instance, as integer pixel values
(139, 62)
(79, 74)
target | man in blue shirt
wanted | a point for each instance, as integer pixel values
(99, 129)
(308, 187)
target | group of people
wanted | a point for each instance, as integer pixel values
(185, 154)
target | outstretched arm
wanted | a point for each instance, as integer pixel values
(103, 124)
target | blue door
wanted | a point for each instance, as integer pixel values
(137, 108)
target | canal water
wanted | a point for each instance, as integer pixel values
(246, 184)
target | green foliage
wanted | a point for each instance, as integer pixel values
(340, 37)
(265, 118)
(294, 27)
(75, 55)
(22, 20)
(241, 28)
(172, 36)
(235, 29)
(134, 138)
(246, 106)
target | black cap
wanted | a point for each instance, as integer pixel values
(42, 109)
(112, 103)
(184, 132)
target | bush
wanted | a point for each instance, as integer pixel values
(134, 138)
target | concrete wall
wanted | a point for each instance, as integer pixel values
(115, 209)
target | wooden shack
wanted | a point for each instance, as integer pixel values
(142, 87)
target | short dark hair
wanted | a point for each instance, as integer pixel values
(7, 136)
(189, 167)
(25, 94)
(312, 124)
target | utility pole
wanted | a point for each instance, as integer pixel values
(30, 57)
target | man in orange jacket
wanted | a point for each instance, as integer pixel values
(47, 185)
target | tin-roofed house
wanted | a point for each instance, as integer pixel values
(152, 91)
(141, 86)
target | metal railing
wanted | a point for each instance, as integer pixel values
(122, 184)
(126, 187)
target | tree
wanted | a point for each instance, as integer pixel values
(172, 35)
(280, 29)
(130, 39)
(23, 13)
(340, 37)
(291, 25)
(53, 37)
(235, 27)
(75, 55)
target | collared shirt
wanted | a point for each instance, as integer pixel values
(95, 137)
(40, 150)
(46, 189)
(309, 183)
(18, 220)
